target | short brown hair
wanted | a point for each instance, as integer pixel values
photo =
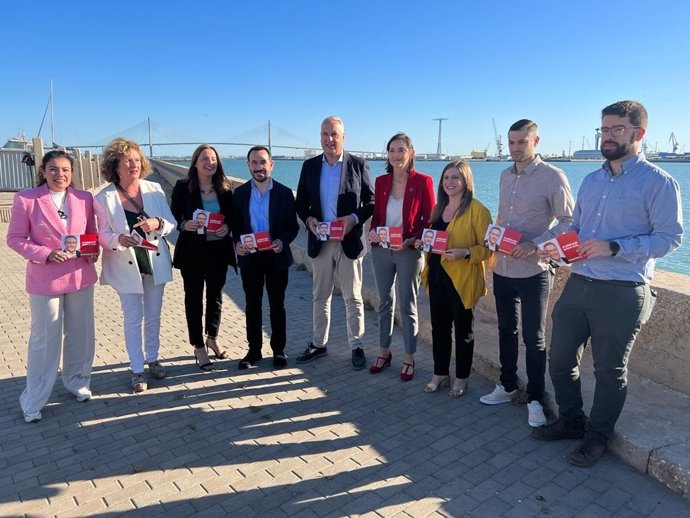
(113, 153)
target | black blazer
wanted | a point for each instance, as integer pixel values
(282, 221)
(182, 205)
(356, 195)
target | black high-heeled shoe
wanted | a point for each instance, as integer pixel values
(216, 350)
(206, 367)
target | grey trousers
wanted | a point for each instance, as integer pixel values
(609, 314)
(401, 269)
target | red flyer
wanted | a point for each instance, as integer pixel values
(440, 242)
(143, 243)
(562, 250)
(337, 230)
(263, 241)
(214, 221)
(389, 237)
(88, 244)
(509, 240)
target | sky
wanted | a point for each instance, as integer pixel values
(217, 71)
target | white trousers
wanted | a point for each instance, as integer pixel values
(143, 309)
(58, 322)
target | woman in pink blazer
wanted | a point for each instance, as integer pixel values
(60, 286)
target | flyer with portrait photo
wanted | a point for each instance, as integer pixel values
(141, 242)
(562, 250)
(390, 237)
(256, 242)
(201, 217)
(434, 241)
(69, 243)
(500, 239)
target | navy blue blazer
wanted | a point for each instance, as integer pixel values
(282, 221)
(356, 196)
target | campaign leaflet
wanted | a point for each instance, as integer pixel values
(141, 242)
(337, 230)
(562, 250)
(509, 240)
(256, 242)
(201, 217)
(214, 221)
(390, 237)
(69, 243)
(500, 239)
(434, 241)
(88, 244)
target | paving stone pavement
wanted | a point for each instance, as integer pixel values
(313, 440)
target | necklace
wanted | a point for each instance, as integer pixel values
(210, 190)
(60, 208)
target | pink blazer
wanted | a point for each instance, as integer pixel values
(35, 230)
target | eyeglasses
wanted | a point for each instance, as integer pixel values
(615, 131)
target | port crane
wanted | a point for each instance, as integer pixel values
(499, 142)
(674, 143)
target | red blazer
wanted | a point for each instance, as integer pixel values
(35, 231)
(418, 201)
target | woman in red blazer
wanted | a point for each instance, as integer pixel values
(403, 198)
(60, 284)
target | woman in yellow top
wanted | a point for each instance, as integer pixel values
(455, 280)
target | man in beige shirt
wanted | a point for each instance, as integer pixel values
(533, 195)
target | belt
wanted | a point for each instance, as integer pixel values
(611, 282)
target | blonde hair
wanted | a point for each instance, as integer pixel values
(113, 153)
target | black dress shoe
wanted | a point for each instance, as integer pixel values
(359, 361)
(587, 454)
(558, 430)
(279, 361)
(311, 353)
(248, 362)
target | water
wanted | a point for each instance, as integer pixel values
(486, 178)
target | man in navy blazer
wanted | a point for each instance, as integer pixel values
(335, 186)
(264, 205)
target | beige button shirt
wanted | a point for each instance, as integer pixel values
(531, 202)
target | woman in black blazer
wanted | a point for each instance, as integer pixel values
(202, 254)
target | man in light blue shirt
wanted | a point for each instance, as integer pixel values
(627, 214)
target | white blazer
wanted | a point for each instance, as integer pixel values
(120, 268)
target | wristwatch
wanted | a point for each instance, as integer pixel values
(615, 247)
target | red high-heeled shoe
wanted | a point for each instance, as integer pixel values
(408, 371)
(375, 368)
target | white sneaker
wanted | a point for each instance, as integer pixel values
(498, 396)
(33, 417)
(83, 394)
(535, 414)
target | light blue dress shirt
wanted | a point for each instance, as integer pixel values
(330, 187)
(258, 207)
(639, 208)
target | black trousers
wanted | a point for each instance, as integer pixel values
(209, 270)
(261, 270)
(446, 311)
(523, 300)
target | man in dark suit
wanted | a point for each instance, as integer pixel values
(335, 186)
(262, 204)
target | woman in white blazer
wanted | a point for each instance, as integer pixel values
(128, 211)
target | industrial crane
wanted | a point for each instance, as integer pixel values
(499, 142)
(674, 143)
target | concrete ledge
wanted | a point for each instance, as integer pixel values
(652, 433)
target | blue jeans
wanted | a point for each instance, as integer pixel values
(525, 299)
